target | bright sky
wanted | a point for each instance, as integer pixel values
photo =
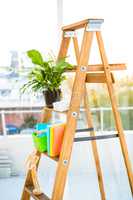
(26, 24)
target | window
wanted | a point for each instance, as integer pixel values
(24, 25)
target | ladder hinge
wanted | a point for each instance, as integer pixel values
(94, 25)
(70, 34)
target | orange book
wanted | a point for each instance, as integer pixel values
(51, 141)
(56, 139)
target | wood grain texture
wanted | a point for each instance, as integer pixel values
(116, 113)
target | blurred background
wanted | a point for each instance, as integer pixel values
(36, 24)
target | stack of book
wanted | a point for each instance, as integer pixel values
(49, 137)
(54, 139)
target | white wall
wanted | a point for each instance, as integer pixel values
(19, 147)
(27, 25)
(117, 28)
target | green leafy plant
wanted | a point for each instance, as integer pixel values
(45, 75)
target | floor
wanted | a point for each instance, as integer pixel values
(78, 187)
(82, 182)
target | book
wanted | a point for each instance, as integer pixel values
(55, 138)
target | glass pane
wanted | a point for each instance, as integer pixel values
(30, 26)
(96, 120)
(108, 120)
(21, 122)
(127, 119)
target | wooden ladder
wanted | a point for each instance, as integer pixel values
(100, 73)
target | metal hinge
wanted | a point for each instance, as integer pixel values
(94, 24)
(70, 34)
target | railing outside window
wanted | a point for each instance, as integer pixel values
(23, 121)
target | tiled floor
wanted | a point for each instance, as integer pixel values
(78, 187)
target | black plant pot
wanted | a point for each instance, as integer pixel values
(51, 97)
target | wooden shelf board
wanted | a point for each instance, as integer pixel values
(53, 158)
(51, 109)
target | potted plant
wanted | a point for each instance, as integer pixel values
(46, 77)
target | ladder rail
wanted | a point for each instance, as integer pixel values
(94, 147)
(78, 89)
(29, 179)
(92, 132)
(116, 113)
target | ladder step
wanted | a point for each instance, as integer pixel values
(85, 130)
(97, 78)
(99, 137)
(84, 139)
(100, 67)
(77, 131)
(29, 189)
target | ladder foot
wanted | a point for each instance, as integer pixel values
(42, 196)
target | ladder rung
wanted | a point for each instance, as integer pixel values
(29, 189)
(78, 130)
(85, 130)
(99, 137)
(97, 78)
(99, 67)
(83, 139)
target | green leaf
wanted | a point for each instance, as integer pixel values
(62, 64)
(46, 74)
(35, 57)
